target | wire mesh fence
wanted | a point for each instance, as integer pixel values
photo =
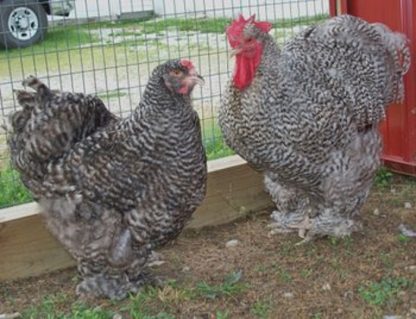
(109, 48)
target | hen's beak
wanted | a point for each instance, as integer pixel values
(199, 80)
(235, 51)
(196, 78)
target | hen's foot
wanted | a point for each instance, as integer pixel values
(282, 222)
(303, 227)
(155, 259)
(115, 288)
(147, 278)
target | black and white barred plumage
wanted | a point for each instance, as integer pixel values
(309, 118)
(112, 190)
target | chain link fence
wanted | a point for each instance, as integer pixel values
(109, 48)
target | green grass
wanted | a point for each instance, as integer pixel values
(50, 308)
(222, 315)
(116, 93)
(63, 49)
(150, 303)
(119, 23)
(383, 178)
(214, 143)
(13, 192)
(218, 25)
(403, 239)
(379, 293)
(231, 286)
(58, 38)
(56, 56)
(210, 25)
(283, 275)
(140, 306)
(289, 23)
(261, 309)
(216, 148)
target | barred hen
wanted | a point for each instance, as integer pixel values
(307, 116)
(112, 190)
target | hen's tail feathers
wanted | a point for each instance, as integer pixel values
(34, 83)
(48, 125)
(17, 120)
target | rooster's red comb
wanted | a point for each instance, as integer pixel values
(237, 26)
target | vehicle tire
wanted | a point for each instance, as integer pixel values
(22, 23)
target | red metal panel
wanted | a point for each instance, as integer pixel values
(399, 129)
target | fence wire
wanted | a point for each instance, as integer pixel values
(109, 48)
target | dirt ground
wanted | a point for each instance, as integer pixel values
(371, 274)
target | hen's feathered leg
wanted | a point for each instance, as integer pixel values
(113, 282)
(345, 187)
(290, 203)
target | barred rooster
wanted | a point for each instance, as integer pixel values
(307, 116)
(112, 190)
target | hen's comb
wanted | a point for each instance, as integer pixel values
(237, 26)
(187, 64)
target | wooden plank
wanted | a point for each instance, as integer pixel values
(27, 248)
(231, 193)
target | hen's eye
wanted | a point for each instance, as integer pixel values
(176, 72)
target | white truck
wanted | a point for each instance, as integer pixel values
(24, 22)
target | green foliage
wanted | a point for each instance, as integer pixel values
(80, 311)
(346, 241)
(50, 306)
(214, 143)
(138, 304)
(216, 148)
(221, 314)
(403, 239)
(161, 315)
(261, 309)
(13, 191)
(306, 273)
(231, 286)
(383, 178)
(379, 293)
(283, 275)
